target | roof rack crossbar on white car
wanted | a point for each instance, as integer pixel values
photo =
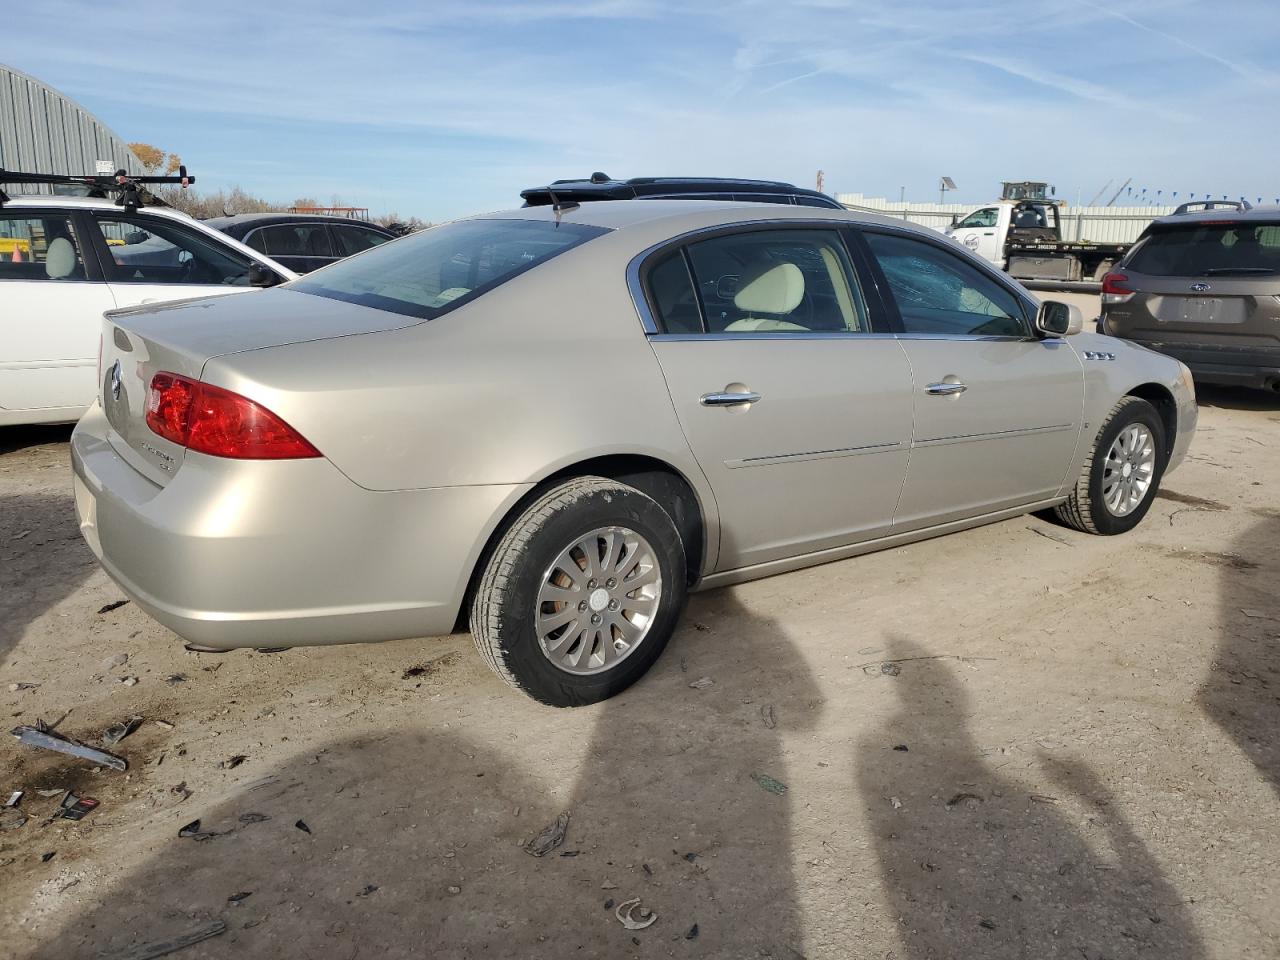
(130, 191)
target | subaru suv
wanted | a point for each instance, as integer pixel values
(1205, 288)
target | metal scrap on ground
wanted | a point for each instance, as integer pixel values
(625, 912)
(159, 948)
(550, 838)
(45, 740)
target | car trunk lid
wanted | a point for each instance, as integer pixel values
(182, 337)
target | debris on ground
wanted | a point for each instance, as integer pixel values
(174, 678)
(129, 681)
(626, 912)
(163, 724)
(1256, 614)
(262, 782)
(46, 740)
(550, 837)
(960, 798)
(454, 890)
(430, 666)
(608, 885)
(51, 792)
(180, 790)
(14, 799)
(767, 715)
(767, 782)
(242, 895)
(895, 803)
(254, 818)
(901, 748)
(889, 669)
(701, 683)
(1051, 536)
(159, 948)
(75, 808)
(192, 830)
(302, 826)
(692, 934)
(987, 924)
(46, 857)
(118, 731)
(117, 660)
(115, 605)
(368, 889)
(691, 857)
(15, 687)
(11, 818)
(1043, 798)
(608, 904)
(232, 762)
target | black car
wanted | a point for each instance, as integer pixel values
(302, 241)
(600, 186)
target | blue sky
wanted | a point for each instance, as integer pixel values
(440, 109)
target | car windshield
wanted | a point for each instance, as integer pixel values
(1209, 249)
(429, 273)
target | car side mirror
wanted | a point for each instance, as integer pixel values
(262, 276)
(1057, 319)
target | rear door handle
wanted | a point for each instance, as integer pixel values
(727, 399)
(945, 389)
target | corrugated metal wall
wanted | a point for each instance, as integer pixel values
(41, 131)
(1099, 224)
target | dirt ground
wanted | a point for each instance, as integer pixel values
(1015, 742)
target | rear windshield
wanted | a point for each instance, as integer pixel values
(1206, 250)
(430, 273)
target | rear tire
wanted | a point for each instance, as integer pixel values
(1109, 495)
(621, 606)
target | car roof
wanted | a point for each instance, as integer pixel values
(286, 217)
(1267, 214)
(25, 200)
(600, 188)
(677, 216)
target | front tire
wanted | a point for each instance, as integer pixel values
(581, 593)
(1119, 480)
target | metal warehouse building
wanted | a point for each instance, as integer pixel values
(42, 131)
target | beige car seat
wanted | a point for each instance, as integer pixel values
(773, 288)
(60, 261)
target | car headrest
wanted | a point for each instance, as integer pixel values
(772, 288)
(60, 261)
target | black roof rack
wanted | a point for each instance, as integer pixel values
(600, 186)
(130, 191)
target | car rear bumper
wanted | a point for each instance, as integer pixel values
(1249, 366)
(279, 553)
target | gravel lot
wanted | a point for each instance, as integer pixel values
(1072, 752)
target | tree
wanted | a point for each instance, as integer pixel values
(155, 162)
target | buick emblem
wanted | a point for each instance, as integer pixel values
(116, 382)
(1200, 287)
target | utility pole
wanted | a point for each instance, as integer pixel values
(819, 181)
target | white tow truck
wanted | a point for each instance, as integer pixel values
(1022, 234)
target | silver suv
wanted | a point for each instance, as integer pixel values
(1204, 288)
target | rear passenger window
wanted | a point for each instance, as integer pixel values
(778, 281)
(671, 294)
(39, 248)
(938, 293)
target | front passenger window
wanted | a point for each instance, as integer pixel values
(158, 250)
(939, 293)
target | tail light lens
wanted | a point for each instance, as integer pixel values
(1114, 289)
(211, 420)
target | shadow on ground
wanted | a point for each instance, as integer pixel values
(1236, 398)
(43, 560)
(1241, 692)
(414, 842)
(973, 866)
(20, 438)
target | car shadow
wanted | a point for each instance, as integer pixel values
(1241, 692)
(413, 839)
(43, 560)
(13, 439)
(974, 865)
(1236, 398)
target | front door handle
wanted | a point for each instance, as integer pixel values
(727, 399)
(945, 389)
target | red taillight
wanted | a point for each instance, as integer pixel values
(208, 419)
(1115, 283)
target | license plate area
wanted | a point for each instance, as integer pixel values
(1194, 310)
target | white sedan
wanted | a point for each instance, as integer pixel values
(65, 260)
